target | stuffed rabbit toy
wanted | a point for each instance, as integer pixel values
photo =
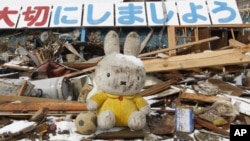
(120, 77)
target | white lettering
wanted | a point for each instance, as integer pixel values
(240, 132)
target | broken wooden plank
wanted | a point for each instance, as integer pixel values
(224, 86)
(39, 115)
(232, 33)
(13, 98)
(16, 128)
(73, 50)
(81, 72)
(34, 106)
(157, 88)
(38, 55)
(10, 75)
(28, 114)
(17, 67)
(171, 37)
(202, 98)
(125, 133)
(179, 46)
(23, 103)
(235, 43)
(199, 60)
(211, 127)
(163, 94)
(146, 39)
(23, 87)
(79, 65)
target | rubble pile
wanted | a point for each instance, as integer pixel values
(46, 79)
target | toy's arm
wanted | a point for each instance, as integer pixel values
(96, 101)
(91, 105)
(142, 104)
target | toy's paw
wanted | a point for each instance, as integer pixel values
(106, 120)
(137, 120)
(145, 110)
(91, 105)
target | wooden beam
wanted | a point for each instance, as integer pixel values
(125, 133)
(79, 65)
(198, 60)
(196, 34)
(12, 98)
(179, 46)
(171, 40)
(34, 106)
(235, 43)
(81, 72)
(17, 67)
(202, 98)
(211, 126)
(224, 86)
(157, 88)
(23, 87)
(24, 103)
(196, 38)
(232, 32)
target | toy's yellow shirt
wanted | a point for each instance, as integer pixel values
(121, 106)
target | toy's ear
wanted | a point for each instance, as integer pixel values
(132, 44)
(111, 43)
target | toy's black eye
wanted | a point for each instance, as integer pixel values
(138, 77)
(108, 74)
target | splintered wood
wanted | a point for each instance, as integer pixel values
(202, 98)
(26, 104)
(199, 60)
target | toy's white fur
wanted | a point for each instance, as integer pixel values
(106, 120)
(120, 69)
(122, 75)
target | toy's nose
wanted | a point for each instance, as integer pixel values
(123, 83)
